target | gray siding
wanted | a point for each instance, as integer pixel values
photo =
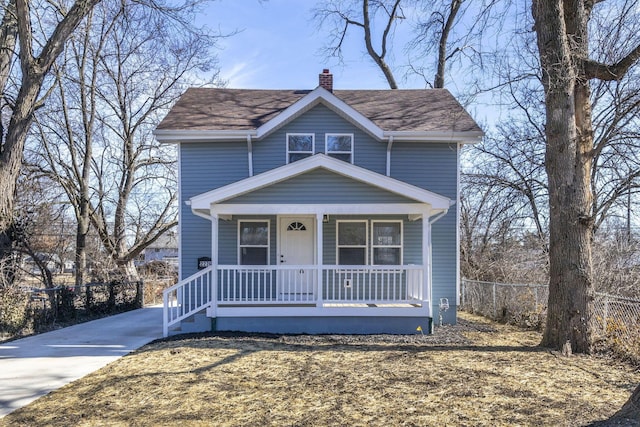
(434, 167)
(321, 186)
(204, 166)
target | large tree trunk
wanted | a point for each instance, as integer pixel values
(631, 409)
(561, 39)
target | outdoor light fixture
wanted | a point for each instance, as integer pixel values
(325, 218)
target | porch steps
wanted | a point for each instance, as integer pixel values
(199, 322)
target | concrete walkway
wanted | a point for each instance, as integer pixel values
(32, 367)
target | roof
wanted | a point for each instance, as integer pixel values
(433, 111)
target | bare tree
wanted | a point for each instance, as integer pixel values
(124, 69)
(563, 44)
(33, 68)
(363, 14)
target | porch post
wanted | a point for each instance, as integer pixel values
(426, 258)
(319, 258)
(213, 308)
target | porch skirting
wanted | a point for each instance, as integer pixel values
(324, 325)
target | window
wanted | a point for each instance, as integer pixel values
(299, 146)
(253, 242)
(340, 146)
(386, 242)
(352, 243)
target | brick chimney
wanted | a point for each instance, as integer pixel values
(326, 80)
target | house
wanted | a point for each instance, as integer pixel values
(164, 249)
(316, 211)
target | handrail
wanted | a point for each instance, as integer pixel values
(186, 298)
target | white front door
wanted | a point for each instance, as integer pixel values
(296, 244)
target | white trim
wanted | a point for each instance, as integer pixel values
(468, 137)
(416, 210)
(319, 161)
(389, 145)
(250, 155)
(319, 254)
(249, 311)
(268, 245)
(350, 153)
(427, 259)
(313, 145)
(366, 238)
(180, 270)
(169, 136)
(401, 245)
(458, 213)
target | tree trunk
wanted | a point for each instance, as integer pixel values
(81, 248)
(561, 38)
(631, 409)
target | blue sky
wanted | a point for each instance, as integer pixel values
(278, 47)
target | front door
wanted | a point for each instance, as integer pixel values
(296, 281)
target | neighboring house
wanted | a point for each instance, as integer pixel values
(164, 248)
(316, 211)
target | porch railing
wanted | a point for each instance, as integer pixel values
(294, 285)
(241, 284)
(186, 298)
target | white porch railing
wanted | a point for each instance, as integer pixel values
(301, 285)
(186, 298)
(241, 284)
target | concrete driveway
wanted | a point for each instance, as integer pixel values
(32, 367)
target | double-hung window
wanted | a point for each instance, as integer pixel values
(352, 242)
(253, 242)
(340, 146)
(386, 242)
(299, 146)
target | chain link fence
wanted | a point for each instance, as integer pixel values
(616, 320)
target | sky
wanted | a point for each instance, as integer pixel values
(278, 47)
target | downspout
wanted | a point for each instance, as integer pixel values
(437, 217)
(250, 154)
(389, 145)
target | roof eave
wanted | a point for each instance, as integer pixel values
(172, 136)
(467, 137)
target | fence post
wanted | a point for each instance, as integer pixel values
(605, 315)
(140, 294)
(495, 308)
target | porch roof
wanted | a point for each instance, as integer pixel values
(408, 199)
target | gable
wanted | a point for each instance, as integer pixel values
(320, 186)
(202, 203)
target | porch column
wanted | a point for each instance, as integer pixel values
(213, 308)
(319, 258)
(426, 258)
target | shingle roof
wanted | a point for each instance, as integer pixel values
(429, 110)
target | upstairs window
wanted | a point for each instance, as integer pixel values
(253, 242)
(340, 146)
(299, 146)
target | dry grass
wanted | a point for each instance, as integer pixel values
(475, 374)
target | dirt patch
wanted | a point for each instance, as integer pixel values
(473, 374)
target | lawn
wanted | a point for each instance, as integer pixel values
(474, 374)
